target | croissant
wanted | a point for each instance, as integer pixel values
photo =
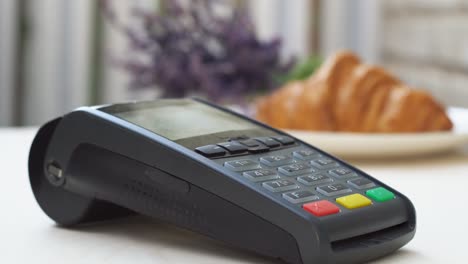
(347, 95)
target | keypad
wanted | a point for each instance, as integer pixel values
(302, 177)
(242, 165)
(361, 183)
(276, 160)
(280, 185)
(314, 179)
(260, 175)
(306, 154)
(343, 173)
(300, 196)
(333, 189)
(296, 169)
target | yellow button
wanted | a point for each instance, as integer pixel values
(354, 201)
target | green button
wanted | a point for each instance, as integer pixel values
(380, 194)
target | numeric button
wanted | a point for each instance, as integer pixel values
(260, 175)
(280, 185)
(306, 154)
(361, 183)
(333, 189)
(242, 165)
(324, 163)
(343, 173)
(296, 169)
(314, 179)
(276, 160)
(300, 196)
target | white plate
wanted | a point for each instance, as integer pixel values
(367, 145)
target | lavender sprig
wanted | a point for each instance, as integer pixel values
(190, 49)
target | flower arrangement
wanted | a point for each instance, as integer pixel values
(190, 49)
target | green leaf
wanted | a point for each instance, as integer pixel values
(302, 70)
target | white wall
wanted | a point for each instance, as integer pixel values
(7, 55)
(351, 25)
(288, 19)
(57, 58)
(77, 51)
(344, 25)
(296, 27)
(115, 80)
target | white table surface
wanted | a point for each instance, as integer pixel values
(437, 185)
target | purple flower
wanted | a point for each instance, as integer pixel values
(191, 49)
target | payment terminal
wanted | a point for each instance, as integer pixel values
(212, 171)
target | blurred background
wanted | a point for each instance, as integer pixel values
(56, 55)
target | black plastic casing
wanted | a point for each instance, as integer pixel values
(113, 168)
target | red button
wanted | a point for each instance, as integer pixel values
(321, 208)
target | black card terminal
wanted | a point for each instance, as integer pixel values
(218, 173)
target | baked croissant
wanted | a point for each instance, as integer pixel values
(347, 95)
